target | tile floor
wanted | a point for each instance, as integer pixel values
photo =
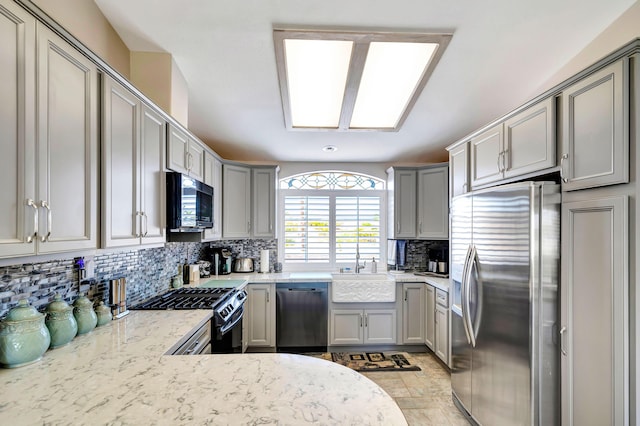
(423, 396)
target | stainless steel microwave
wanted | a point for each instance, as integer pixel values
(189, 203)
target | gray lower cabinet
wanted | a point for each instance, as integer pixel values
(430, 317)
(49, 147)
(249, 195)
(594, 310)
(133, 156)
(441, 340)
(260, 315)
(413, 305)
(595, 135)
(433, 202)
(213, 178)
(362, 326)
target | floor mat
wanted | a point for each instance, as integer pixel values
(372, 361)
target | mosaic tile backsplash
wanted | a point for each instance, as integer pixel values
(148, 272)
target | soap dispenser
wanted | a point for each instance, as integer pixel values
(374, 266)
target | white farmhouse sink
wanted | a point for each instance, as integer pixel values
(358, 288)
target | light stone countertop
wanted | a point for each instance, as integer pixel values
(118, 374)
(285, 277)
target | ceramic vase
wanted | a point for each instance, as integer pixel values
(23, 336)
(60, 322)
(103, 313)
(84, 314)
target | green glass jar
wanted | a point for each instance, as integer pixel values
(60, 321)
(84, 314)
(103, 313)
(23, 336)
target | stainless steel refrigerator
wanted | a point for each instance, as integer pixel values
(505, 245)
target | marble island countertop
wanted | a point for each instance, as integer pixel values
(118, 374)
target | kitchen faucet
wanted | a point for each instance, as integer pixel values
(358, 266)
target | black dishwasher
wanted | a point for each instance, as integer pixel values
(301, 317)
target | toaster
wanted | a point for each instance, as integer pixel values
(243, 264)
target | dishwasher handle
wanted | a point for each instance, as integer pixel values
(302, 289)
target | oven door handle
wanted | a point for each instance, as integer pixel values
(229, 326)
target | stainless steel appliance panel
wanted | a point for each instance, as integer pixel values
(301, 315)
(461, 349)
(499, 276)
(504, 306)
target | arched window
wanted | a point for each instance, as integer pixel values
(327, 217)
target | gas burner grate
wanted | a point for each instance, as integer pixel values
(187, 298)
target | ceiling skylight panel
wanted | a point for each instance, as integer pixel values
(392, 72)
(316, 76)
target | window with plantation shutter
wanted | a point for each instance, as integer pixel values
(326, 217)
(357, 228)
(306, 229)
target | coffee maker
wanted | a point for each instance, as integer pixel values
(221, 261)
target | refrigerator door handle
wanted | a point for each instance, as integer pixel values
(466, 317)
(474, 265)
(464, 305)
(563, 330)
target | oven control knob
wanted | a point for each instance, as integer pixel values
(223, 313)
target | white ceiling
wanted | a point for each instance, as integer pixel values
(501, 52)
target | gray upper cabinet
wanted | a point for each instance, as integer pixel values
(67, 145)
(248, 201)
(133, 149)
(184, 154)
(459, 169)
(529, 140)
(264, 199)
(19, 206)
(48, 154)
(595, 138)
(402, 187)
(486, 153)
(213, 178)
(522, 144)
(236, 201)
(433, 202)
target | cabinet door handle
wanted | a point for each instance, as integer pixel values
(398, 226)
(360, 320)
(564, 157)
(562, 349)
(45, 238)
(268, 296)
(420, 228)
(498, 161)
(366, 320)
(248, 226)
(504, 160)
(405, 295)
(136, 232)
(146, 224)
(33, 236)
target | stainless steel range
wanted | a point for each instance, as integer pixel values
(227, 304)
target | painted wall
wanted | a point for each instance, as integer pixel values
(620, 32)
(151, 73)
(85, 21)
(179, 95)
